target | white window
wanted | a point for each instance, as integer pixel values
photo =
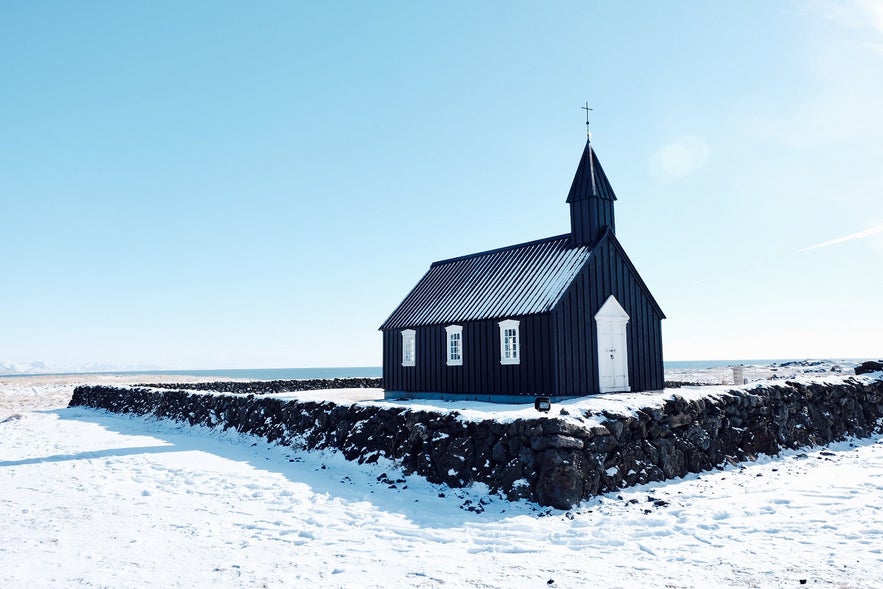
(455, 345)
(509, 342)
(409, 347)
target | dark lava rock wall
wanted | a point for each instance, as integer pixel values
(553, 460)
(265, 387)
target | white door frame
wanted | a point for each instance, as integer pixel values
(613, 363)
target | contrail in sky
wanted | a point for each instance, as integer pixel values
(852, 236)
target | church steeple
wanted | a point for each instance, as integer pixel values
(591, 200)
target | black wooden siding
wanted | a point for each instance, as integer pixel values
(608, 272)
(481, 372)
(589, 218)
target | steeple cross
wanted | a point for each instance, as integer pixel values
(587, 109)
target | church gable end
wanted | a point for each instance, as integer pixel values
(608, 272)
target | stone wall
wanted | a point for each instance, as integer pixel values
(265, 387)
(553, 460)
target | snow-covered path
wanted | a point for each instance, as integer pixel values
(89, 499)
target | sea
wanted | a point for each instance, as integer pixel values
(377, 371)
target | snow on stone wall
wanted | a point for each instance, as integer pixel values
(546, 459)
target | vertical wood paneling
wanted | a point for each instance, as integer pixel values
(561, 347)
(388, 376)
(528, 352)
(432, 359)
(589, 218)
(481, 372)
(574, 357)
(633, 332)
(480, 358)
(540, 353)
(491, 362)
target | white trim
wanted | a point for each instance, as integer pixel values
(510, 343)
(409, 347)
(611, 310)
(613, 362)
(454, 345)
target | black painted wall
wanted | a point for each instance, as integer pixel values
(589, 218)
(481, 372)
(608, 272)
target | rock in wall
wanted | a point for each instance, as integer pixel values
(551, 460)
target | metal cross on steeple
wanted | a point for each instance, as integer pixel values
(589, 147)
(587, 109)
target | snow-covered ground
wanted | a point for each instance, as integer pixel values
(89, 499)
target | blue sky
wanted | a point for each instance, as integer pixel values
(221, 184)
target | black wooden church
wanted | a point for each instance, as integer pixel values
(560, 317)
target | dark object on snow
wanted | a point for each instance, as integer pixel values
(542, 404)
(561, 317)
(869, 366)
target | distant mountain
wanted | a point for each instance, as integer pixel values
(15, 368)
(23, 368)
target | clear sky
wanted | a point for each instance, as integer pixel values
(245, 185)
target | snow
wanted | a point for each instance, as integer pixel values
(90, 499)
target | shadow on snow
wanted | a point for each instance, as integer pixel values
(325, 472)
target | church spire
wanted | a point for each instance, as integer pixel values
(590, 181)
(590, 198)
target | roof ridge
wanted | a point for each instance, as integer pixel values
(499, 249)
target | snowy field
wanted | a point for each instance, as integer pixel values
(89, 499)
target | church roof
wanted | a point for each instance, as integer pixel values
(590, 179)
(522, 279)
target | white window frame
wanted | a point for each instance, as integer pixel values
(510, 344)
(454, 334)
(409, 347)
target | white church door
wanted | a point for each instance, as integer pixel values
(613, 365)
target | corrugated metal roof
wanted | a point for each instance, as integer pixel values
(590, 179)
(522, 279)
